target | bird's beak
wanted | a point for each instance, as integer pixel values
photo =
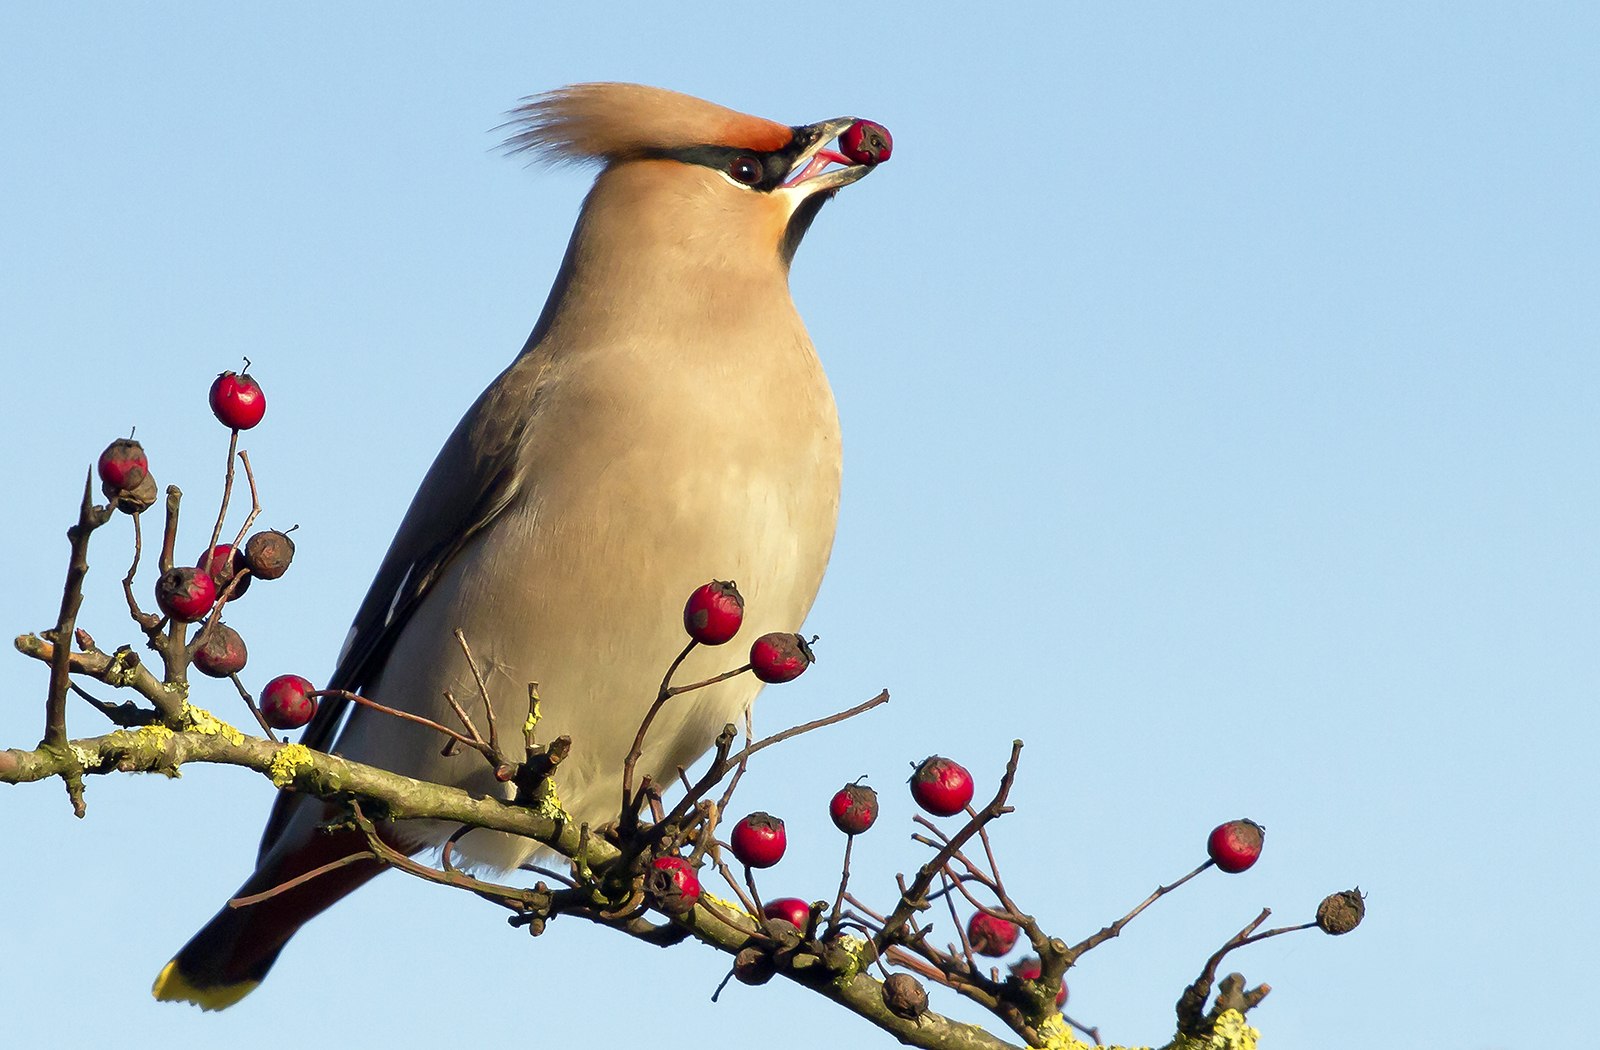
(811, 173)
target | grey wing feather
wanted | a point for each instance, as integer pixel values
(472, 480)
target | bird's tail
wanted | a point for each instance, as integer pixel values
(233, 952)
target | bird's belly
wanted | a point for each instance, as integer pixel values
(579, 586)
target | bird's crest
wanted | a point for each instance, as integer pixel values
(607, 122)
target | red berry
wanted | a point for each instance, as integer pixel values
(186, 594)
(990, 935)
(714, 612)
(791, 910)
(237, 400)
(941, 786)
(866, 142)
(1236, 845)
(122, 466)
(1029, 969)
(672, 884)
(222, 653)
(223, 562)
(287, 703)
(759, 840)
(854, 808)
(779, 657)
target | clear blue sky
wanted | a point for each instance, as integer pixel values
(1219, 390)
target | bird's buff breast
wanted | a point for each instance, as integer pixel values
(579, 585)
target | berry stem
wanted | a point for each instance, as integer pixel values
(630, 804)
(476, 742)
(914, 896)
(250, 702)
(844, 880)
(1108, 932)
(227, 494)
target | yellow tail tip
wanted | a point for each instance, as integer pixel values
(173, 987)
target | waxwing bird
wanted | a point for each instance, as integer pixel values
(667, 423)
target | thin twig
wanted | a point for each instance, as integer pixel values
(483, 691)
(404, 715)
(298, 880)
(913, 898)
(1105, 934)
(90, 517)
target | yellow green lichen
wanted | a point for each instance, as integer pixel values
(156, 733)
(199, 720)
(83, 756)
(852, 947)
(1231, 1033)
(547, 803)
(1058, 1035)
(290, 761)
(728, 906)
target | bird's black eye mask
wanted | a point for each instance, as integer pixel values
(760, 170)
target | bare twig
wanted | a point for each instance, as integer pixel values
(90, 517)
(913, 898)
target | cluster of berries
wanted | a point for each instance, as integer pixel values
(188, 594)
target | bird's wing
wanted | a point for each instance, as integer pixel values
(472, 480)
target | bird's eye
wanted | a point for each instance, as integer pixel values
(747, 170)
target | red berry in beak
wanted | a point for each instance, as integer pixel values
(941, 786)
(186, 594)
(287, 703)
(122, 466)
(237, 400)
(990, 935)
(268, 554)
(714, 612)
(672, 884)
(222, 653)
(866, 142)
(791, 910)
(780, 657)
(223, 562)
(854, 808)
(1236, 845)
(759, 840)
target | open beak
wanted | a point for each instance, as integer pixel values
(812, 171)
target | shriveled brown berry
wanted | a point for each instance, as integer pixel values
(904, 995)
(268, 554)
(222, 653)
(132, 501)
(753, 966)
(1341, 912)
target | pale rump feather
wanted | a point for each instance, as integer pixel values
(585, 122)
